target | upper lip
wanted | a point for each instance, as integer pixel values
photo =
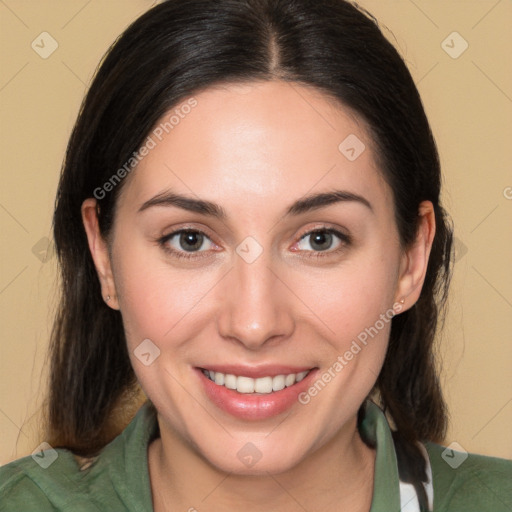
(255, 372)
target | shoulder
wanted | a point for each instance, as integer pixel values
(51, 480)
(465, 481)
(56, 480)
(18, 490)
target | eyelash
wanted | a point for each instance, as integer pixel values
(345, 240)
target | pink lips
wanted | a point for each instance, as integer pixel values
(255, 406)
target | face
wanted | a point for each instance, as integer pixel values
(226, 265)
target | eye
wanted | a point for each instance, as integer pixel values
(323, 240)
(192, 243)
(186, 242)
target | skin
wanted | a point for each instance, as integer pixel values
(254, 150)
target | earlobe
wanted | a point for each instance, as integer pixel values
(99, 251)
(414, 262)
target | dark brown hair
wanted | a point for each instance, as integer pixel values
(174, 50)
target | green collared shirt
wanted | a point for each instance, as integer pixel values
(118, 479)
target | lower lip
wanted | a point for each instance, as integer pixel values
(254, 406)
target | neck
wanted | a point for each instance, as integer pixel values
(338, 476)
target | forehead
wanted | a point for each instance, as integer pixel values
(264, 141)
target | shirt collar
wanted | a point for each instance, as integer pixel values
(129, 451)
(374, 427)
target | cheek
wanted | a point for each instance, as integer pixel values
(155, 298)
(356, 315)
(350, 299)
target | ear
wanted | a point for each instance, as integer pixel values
(99, 251)
(413, 266)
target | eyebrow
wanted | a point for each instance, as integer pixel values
(208, 208)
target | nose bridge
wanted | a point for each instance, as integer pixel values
(256, 308)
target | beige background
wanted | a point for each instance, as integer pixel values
(468, 100)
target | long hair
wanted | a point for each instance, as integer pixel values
(170, 53)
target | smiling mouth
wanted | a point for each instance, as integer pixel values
(248, 385)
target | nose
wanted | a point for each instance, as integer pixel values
(257, 304)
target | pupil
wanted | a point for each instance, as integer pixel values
(319, 239)
(193, 240)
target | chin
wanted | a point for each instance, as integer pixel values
(248, 460)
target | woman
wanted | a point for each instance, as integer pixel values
(249, 228)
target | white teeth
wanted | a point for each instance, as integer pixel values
(244, 385)
(261, 385)
(289, 380)
(300, 376)
(278, 383)
(230, 381)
